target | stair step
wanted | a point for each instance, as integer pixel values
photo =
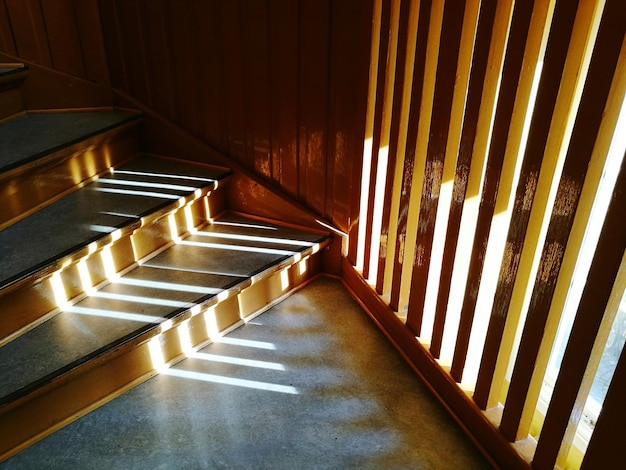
(122, 333)
(45, 155)
(11, 76)
(122, 212)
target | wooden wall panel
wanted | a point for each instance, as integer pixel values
(314, 43)
(29, 30)
(279, 86)
(7, 44)
(63, 37)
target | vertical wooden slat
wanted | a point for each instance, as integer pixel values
(313, 98)
(62, 35)
(468, 135)
(605, 446)
(356, 246)
(376, 222)
(212, 112)
(113, 42)
(7, 43)
(233, 79)
(410, 152)
(510, 75)
(185, 52)
(565, 409)
(160, 56)
(134, 57)
(284, 104)
(439, 128)
(256, 89)
(29, 30)
(548, 89)
(91, 40)
(397, 145)
(528, 362)
(382, 122)
(350, 39)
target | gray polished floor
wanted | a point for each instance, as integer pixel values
(311, 383)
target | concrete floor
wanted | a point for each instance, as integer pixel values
(310, 384)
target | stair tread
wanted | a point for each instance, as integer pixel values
(31, 136)
(166, 285)
(136, 189)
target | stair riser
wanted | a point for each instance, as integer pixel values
(84, 388)
(10, 103)
(30, 187)
(28, 305)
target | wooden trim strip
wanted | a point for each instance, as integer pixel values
(497, 450)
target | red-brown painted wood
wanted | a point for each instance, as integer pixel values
(605, 446)
(91, 41)
(314, 50)
(411, 145)
(506, 99)
(113, 42)
(382, 80)
(63, 36)
(284, 101)
(562, 218)
(233, 79)
(7, 43)
(452, 26)
(466, 147)
(607, 259)
(29, 30)
(256, 90)
(350, 40)
(207, 24)
(604, 268)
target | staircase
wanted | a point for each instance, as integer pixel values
(114, 263)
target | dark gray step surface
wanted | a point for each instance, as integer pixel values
(188, 273)
(134, 190)
(310, 384)
(27, 138)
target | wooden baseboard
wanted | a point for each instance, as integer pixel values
(499, 452)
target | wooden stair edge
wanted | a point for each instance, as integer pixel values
(128, 245)
(94, 155)
(47, 88)
(14, 77)
(248, 192)
(87, 386)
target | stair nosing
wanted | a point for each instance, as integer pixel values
(146, 332)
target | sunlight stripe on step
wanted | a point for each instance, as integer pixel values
(240, 361)
(143, 300)
(220, 379)
(234, 236)
(96, 312)
(251, 249)
(168, 286)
